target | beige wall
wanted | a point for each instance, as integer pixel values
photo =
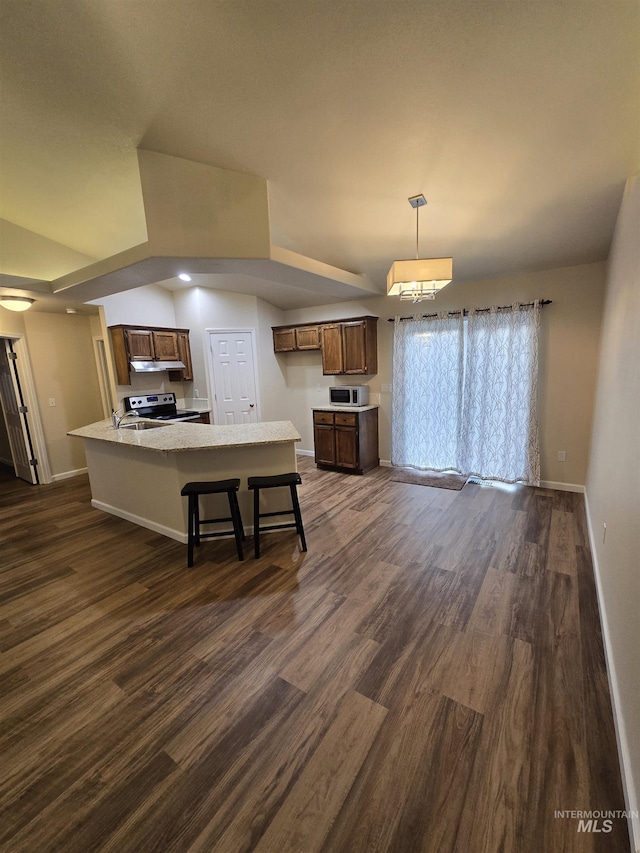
(613, 482)
(147, 306)
(201, 309)
(63, 367)
(33, 256)
(568, 357)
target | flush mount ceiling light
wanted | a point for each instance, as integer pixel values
(421, 278)
(183, 276)
(16, 303)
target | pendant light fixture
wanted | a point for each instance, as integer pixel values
(421, 278)
(16, 303)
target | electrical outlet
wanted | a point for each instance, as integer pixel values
(197, 393)
(562, 456)
(52, 401)
(385, 388)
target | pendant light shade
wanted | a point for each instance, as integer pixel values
(421, 278)
(16, 303)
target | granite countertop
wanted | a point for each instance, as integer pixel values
(177, 437)
(347, 409)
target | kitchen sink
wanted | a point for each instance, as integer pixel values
(142, 425)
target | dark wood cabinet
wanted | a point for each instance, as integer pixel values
(348, 346)
(184, 355)
(296, 338)
(331, 337)
(165, 345)
(346, 441)
(139, 344)
(325, 444)
(204, 418)
(284, 340)
(307, 337)
(145, 343)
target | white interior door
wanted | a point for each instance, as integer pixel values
(233, 369)
(15, 420)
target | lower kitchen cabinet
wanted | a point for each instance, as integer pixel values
(346, 441)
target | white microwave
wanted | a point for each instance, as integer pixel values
(349, 395)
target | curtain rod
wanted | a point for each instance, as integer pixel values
(464, 311)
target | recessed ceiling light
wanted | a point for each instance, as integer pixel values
(72, 310)
(183, 276)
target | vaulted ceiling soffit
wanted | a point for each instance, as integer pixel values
(204, 220)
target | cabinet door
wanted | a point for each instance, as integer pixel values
(184, 355)
(165, 344)
(140, 344)
(354, 347)
(346, 446)
(284, 340)
(308, 337)
(324, 441)
(331, 336)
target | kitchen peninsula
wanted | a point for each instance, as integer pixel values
(137, 474)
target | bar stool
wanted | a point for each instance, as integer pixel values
(276, 482)
(193, 492)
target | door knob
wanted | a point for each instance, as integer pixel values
(251, 405)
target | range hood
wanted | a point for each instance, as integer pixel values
(156, 366)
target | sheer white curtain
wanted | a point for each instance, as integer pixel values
(465, 394)
(427, 391)
(499, 433)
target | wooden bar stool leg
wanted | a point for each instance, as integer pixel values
(190, 530)
(239, 514)
(196, 506)
(298, 515)
(237, 522)
(256, 521)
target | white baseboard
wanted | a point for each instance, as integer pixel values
(140, 521)
(630, 794)
(67, 475)
(304, 452)
(562, 487)
(170, 532)
(386, 463)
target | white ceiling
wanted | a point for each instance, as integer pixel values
(519, 121)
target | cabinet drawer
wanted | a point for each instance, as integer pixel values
(323, 418)
(346, 420)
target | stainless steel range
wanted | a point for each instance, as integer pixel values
(159, 407)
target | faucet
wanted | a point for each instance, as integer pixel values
(117, 418)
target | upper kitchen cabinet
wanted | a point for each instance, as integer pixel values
(307, 337)
(184, 355)
(152, 345)
(295, 338)
(165, 344)
(349, 347)
(138, 344)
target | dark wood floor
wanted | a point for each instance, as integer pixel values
(428, 677)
